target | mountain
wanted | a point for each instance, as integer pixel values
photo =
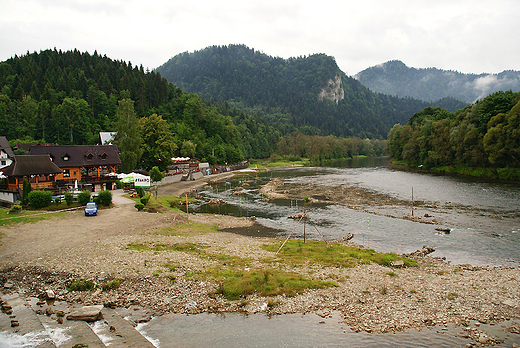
(309, 93)
(395, 78)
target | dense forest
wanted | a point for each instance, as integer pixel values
(69, 97)
(395, 78)
(481, 140)
(319, 148)
(285, 93)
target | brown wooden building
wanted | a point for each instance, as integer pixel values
(89, 164)
(39, 170)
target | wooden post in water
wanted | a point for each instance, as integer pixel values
(187, 214)
(412, 201)
(304, 218)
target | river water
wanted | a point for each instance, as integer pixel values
(483, 215)
(485, 230)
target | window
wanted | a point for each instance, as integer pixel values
(90, 156)
(104, 156)
(66, 173)
(3, 163)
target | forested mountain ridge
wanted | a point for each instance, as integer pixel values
(69, 97)
(481, 140)
(395, 78)
(295, 94)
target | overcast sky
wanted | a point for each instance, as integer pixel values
(470, 36)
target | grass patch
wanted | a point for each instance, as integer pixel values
(182, 247)
(27, 216)
(138, 247)
(184, 229)
(297, 252)
(235, 283)
(236, 278)
(81, 285)
(284, 161)
(172, 278)
(112, 284)
(174, 203)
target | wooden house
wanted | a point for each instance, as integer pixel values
(89, 164)
(39, 170)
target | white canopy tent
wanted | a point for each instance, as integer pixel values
(139, 180)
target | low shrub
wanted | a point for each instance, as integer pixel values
(139, 206)
(145, 199)
(105, 197)
(16, 207)
(40, 199)
(69, 198)
(84, 197)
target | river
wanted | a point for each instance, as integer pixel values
(483, 217)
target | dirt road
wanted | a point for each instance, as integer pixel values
(68, 235)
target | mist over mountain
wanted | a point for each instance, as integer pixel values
(395, 78)
(309, 94)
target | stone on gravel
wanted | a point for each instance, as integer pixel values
(87, 313)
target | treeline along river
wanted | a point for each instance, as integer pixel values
(483, 216)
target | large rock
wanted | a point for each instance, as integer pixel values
(419, 254)
(87, 313)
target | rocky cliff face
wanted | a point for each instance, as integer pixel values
(332, 91)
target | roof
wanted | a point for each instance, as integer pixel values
(4, 145)
(25, 165)
(107, 137)
(66, 156)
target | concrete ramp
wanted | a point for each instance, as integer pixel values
(34, 323)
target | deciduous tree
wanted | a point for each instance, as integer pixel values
(128, 138)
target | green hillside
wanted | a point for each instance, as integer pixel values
(308, 94)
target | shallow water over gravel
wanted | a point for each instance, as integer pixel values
(484, 216)
(296, 330)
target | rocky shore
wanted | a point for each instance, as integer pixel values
(52, 254)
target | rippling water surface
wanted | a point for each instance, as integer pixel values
(483, 215)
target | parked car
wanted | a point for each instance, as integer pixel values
(91, 209)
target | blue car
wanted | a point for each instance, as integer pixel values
(91, 209)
